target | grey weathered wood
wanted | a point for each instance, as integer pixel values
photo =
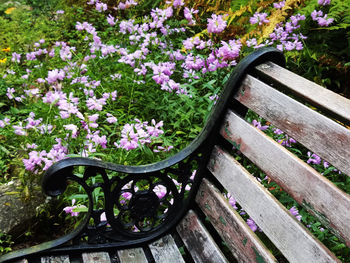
(164, 250)
(55, 259)
(198, 241)
(319, 195)
(133, 255)
(309, 90)
(282, 228)
(328, 139)
(24, 260)
(242, 241)
(96, 257)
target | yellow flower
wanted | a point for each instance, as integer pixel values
(2, 61)
(9, 10)
(8, 49)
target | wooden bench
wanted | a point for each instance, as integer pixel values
(200, 225)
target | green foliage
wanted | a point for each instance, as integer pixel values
(5, 243)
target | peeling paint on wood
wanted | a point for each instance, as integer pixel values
(319, 195)
(230, 226)
(295, 242)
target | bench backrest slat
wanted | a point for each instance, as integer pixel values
(318, 133)
(306, 89)
(242, 241)
(283, 229)
(198, 241)
(302, 182)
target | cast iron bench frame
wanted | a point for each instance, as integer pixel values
(216, 169)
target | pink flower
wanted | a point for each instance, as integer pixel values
(101, 6)
(188, 14)
(259, 18)
(111, 20)
(178, 3)
(216, 24)
(73, 128)
(324, 2)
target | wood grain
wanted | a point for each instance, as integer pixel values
(319, 195)
(165, 250)
(309, 90)
(198, 241)
(55, 259)
(244, 244)
(316, 132)
(133, 255)
(97, 257)
(283, 229)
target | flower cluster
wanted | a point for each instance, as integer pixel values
(259, 18)
(137, 134)
(321, 19)
(216, 24)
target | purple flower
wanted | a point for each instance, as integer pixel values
(59, 12)
(294, 211)
(101, 6)
(252, 225)
(324, 2)
(313, 158)
(188, 14)
(111, 20)
(111, 118)
(279, 5)
(73, 128)
(257, 124)
(10, 93)
(178, 3)
(259, 18)
(216, 24)
(16, 57)
(55, 75)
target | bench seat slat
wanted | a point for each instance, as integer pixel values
(55, 259)
(96, 257)
(309, 90)
(309, 188)
(132, 255)
(164, 250)
(198, 241)
(242, 241)
(326, 138)
(283, 229)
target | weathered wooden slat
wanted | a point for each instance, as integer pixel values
(328, 139)
(303, 183)
(133, 255)
(55, 259)
(198, 241)
(309, 90)
(96, 257)
(244, 244)
(283, 229)
(164, 250)
(24, 260)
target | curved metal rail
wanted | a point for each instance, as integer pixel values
(143, 216)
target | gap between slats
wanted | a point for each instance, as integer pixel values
(285, 231)
(310, 91)
(242, 241)
(198, 241)
(309, 188)
(316, 132)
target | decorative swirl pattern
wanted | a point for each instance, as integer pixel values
(143, 202)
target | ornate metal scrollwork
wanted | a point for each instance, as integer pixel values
(135, 212)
